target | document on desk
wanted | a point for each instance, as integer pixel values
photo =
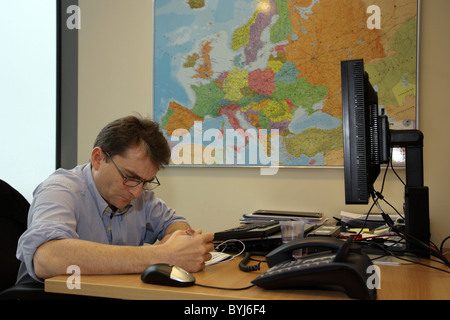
(218, 257)
(255, 218)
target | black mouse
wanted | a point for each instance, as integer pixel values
(167, 275)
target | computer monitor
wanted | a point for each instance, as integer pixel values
(361, 128)
(367, 144)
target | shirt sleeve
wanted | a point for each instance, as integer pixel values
(159, 218)
(52, 216)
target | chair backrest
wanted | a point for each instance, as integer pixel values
(13, 222)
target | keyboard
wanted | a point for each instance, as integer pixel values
(247, 231)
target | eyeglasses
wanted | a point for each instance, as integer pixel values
(134, 182)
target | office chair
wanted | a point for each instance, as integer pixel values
(13, 222)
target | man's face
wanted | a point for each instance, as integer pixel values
(133, 164)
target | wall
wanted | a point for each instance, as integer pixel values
(115, 80)
(27, 93)
(434, 100)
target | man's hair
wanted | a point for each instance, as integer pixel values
(121, 134)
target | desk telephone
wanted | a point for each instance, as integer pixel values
(345, 266)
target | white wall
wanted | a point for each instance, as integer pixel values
(27, 92)
(115, 80)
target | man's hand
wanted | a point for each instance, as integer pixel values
(189, 252)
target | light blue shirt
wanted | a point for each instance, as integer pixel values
(68, 206)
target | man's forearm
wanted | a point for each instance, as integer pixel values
(53, 258)
(186, 251)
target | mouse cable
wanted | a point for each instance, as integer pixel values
(221, 288)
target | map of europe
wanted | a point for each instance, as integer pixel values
(268, 73)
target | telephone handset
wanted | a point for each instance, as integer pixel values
(343, 264)
(284, 252)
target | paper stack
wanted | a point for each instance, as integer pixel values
(276, 215)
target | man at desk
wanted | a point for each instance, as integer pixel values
(98, 216)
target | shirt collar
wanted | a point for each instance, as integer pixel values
(101, 204)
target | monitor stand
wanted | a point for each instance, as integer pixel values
(416, 206)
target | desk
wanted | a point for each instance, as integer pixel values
(403, 282)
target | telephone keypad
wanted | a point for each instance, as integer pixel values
(299, 264)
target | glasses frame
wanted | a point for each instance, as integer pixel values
(152, 184)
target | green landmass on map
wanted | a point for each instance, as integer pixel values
(196, 4)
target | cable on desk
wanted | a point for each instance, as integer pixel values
(441, 248)
(247, 257)
(389, 252)
(231, 240)
(431, 248)
(212, 287)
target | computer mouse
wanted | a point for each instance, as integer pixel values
(167, 275)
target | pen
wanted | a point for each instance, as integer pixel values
(190, 232)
